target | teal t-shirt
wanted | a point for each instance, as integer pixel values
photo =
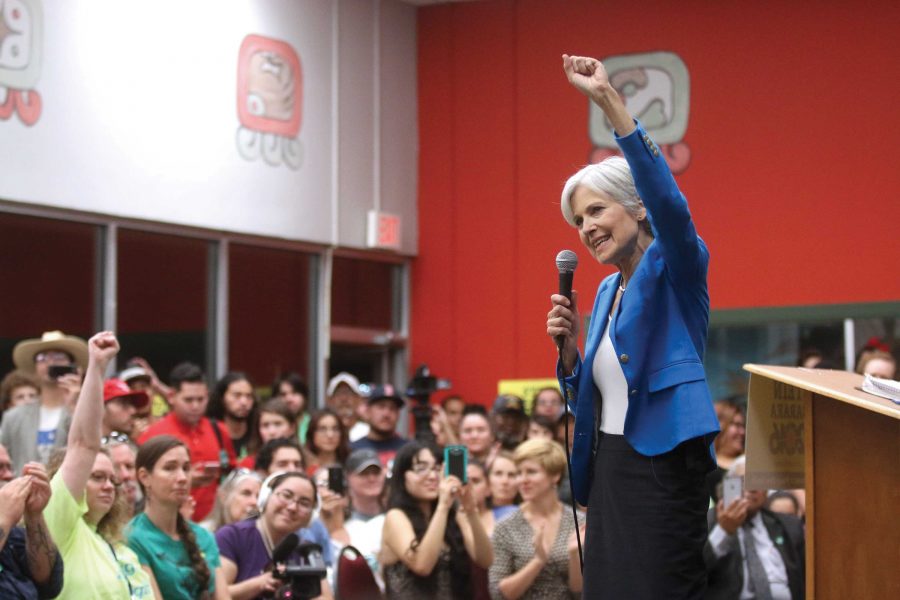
(169, 560)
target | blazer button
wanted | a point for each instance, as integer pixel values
(633, 392)
(624, 358)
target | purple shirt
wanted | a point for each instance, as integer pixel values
(242, 544)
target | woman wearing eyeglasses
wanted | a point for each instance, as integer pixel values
(428, 543)
(182, 556)
(87, 506)
(286, 504)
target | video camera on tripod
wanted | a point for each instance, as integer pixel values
(420, 388)
(303, 578)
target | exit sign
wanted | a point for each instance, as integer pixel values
(383, 230)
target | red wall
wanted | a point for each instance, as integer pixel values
(793, 182)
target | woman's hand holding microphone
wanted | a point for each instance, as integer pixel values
(563, 321)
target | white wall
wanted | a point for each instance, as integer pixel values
(139, 116)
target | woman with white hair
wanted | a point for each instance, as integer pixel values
(236, 499)
(644, 419)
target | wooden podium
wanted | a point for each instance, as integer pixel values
(850, 463)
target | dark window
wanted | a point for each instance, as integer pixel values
(268, 312)
(162, 299)
(361, 293)
(49, 275)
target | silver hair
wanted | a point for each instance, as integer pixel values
(611, 176)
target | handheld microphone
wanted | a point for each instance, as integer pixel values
(284, 549)
(566, 261)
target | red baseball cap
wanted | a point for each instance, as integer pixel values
(116, 389)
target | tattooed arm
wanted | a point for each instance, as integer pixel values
(39, 547)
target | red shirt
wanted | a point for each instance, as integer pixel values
(204, 447)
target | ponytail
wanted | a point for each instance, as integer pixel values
(201, 569)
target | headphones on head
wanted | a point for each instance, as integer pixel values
(265, 491)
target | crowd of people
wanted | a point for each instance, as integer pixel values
(128, 487)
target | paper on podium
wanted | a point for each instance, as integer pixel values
(775, 418)
(884, 388)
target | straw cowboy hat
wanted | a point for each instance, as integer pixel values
(26, 350)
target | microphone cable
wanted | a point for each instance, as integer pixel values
(569, 465)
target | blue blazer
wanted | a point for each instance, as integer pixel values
(658, 332)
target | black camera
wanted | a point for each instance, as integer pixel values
(424, 384)
(302, 578)
(57, 371)
(420, 388)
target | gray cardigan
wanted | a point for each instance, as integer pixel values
(18, 433)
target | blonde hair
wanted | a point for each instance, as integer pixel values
(111, 525)
(548, 454)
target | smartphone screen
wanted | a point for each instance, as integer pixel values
(456, 459)
(732, 489)
(336, 480)
(57, 371)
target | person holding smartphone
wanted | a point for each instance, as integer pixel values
(334, 505)
(752, 552)
(427, 541)
(31, 431)
(326, 441)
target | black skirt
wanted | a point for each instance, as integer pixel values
(646, 523)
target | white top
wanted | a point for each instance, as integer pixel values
(359, 430)
(610, 380)
(46, 434)
(365, 535)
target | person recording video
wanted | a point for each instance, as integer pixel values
(640, 467)
(427, 542)
(250, 548)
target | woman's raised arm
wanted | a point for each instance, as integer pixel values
(85, 431)
(588, 76)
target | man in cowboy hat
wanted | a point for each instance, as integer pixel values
(31, 431)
